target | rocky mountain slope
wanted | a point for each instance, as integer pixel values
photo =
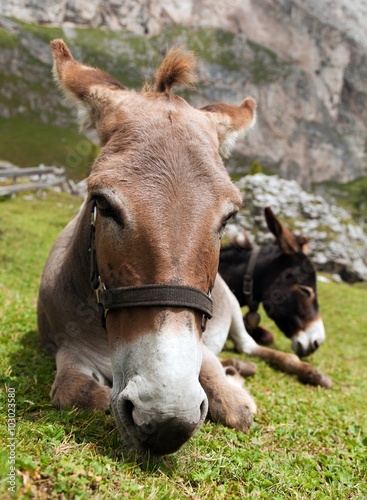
(303, 60)
(305, 68)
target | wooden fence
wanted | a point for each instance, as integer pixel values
(33, 179)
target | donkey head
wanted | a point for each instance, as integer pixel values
(163, 198)
(289, 289)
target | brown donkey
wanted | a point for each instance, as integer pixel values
(144, 248)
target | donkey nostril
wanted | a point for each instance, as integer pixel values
(203, 409)
(128, 411)
(315, 344)
(299, 349)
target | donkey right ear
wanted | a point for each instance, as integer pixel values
(90, 89)
(232, 122)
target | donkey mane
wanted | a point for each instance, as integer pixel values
(177, 68)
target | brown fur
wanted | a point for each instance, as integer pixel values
(244, 368)
(290, 363)
(73, 389)
(76, 78)
(235, 117)
(288, 242)
(231, 121)
(178, 68)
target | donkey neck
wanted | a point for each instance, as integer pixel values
(264, 269)
(234, 262)
(232, 267)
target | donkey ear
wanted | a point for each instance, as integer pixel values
(303, 242)
(232, 122)
(240, 240)
(90, 89)
(287, 241)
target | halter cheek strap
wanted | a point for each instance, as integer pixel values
(248, 280)
(145, 295)
(252, 318)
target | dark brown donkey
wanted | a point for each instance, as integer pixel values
(125, 293)
(282, 277)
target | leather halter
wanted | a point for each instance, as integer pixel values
(145, 295)
(248, 280)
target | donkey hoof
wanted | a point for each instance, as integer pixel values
(236, 410)
(83, 393)
(262, 336)
(240, 418)
(316, 378)
(245, 368)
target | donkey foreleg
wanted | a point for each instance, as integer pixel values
(290, 363)
(244, 368)
(229, 404)
(237, 331)
(78, 383)
(227, 321)
(287, 362)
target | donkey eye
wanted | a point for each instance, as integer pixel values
(105, 209)
(103, 205)
(224, 223)
(289, 277)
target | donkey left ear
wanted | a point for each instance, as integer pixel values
(91, 90)
(287, 241)
(232, 122)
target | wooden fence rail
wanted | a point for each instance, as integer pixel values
(33, 179)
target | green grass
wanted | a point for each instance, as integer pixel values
(266, 66)
(351, 195)
(45, 33)
(305, 443)
(32, 141)
(7, 40)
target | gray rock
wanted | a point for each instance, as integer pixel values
(337, 244)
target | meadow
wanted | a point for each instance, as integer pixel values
(305, 443)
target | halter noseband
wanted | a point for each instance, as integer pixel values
(145, 295)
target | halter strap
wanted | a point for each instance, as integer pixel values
(248, 280)
(145, 295)
(156, 295)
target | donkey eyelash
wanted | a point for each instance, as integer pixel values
(106, 209)
(225, 222)
(229, 217)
